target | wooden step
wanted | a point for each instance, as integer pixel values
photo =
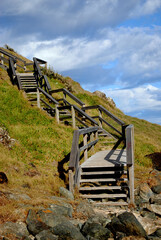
(109, 203)
(103, 180)
(104, 195)
(103, 173)
(25, 74)
(28, 86)
(66, 116)
(102, 188)
(28, 81)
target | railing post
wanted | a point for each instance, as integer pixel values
(85, 143)
(38, 98)
(92, 139)
(19, 82)
(65, 95)
(2, 59)
(73, 117)
(25, 66)
(100, 115)
(71, 181)
(57, 113)
(130, 159)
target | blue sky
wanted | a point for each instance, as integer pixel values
(109, 45)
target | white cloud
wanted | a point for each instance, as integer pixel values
(19, 7)
(136, 99)
(146, 7)
(74, 14)
(137, 51)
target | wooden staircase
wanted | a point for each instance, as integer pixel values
(102, 178)
(28, 82)
(107, 175)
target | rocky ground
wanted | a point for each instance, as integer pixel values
(65, 218)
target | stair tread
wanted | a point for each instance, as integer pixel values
(102, 188)
(103, 172)
(25, 74)
(109, 203)
(28, 81)
(103, 180)
(104, 195)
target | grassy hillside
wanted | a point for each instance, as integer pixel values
(38, 156)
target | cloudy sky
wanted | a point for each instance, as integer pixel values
(109, 45)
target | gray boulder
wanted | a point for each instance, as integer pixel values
(66, 193)
(46, 235)
(85, 208)
(128, 224)
(95, 230)
(62, 210)
(157, 189)
(156, 235)
(17, 230)
(154, 208)
(156, 199)
(34, 224)
(50, 219)
(145, 192)
(100, 219)
(67, 231)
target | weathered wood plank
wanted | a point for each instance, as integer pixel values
(111, 203)
(74, 149)
(111, 115)
(130, 159)
(101, 188)
(104, 195)
(103, 120)
(73, 117)
(85, 148)
(71, 181)
(88, 145)
(79, 120)
(38, 98)
(88, 130)
(48, 95)
(66, 92)
(103, 180)
(103, 172)
(85, 115)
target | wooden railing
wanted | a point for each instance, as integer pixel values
(130, 159)
(102, 120)
(18, 62)
(65, 93)
(40, 78)
(90, 138)
(74, 109)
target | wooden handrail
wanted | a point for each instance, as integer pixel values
(69, 94)
(100, 107)
(85, 115)
(39, 75)
(37, 68)
(11, 55)
(75, 144)
(11, 64)
(48, 95)
(103, 120)
(74, 169)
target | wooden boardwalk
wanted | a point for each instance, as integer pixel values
(107, 158)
